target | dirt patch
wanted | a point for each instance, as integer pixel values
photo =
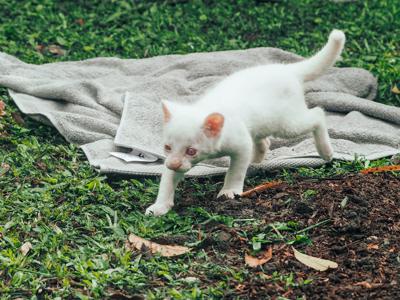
(361, 234)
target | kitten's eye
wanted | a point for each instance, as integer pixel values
(191, 151)
(167, 148)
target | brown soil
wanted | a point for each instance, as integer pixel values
(362, 236)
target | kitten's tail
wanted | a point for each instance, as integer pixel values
(316, 65)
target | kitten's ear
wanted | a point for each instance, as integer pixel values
(166, 111)
(213, 125)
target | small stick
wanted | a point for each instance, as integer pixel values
(277, 231)
(261, 187)
(381, 169)
(313, 226)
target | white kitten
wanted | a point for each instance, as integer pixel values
(236, 116)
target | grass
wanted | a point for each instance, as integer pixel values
(77, 220)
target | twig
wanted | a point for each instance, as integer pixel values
(261, 187)
(277, 231)
(313, 226)
(381, 169)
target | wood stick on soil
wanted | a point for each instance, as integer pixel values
(314, 226)
(261, 187)
(381, 169)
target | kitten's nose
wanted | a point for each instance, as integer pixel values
(174, 164)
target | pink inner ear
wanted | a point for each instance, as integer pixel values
(166, 112)
(213, 124)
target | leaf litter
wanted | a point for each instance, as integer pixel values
(135, 242)
(2, 108)
(316, 263)
(4, 168)
(53, 49)
(253, 262)
(356, 240)
(25, 248)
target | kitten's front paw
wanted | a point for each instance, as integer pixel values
(325, 150)
(158, 209)
(327, 154)
(229, 194)
(328, 157)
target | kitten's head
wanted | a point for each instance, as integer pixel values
(189, 135)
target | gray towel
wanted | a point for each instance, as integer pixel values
(110, 105)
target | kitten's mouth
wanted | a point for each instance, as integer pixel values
(178, 165)
(179, 170)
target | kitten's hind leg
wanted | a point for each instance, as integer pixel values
(312, 120)
(321, 136)
(261, 147)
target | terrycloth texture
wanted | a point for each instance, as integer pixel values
(111, 104)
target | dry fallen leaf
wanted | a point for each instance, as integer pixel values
(56, 229)
(40, 48)
(56, 50)
(287, 254)
(191, 279)
(253, 262)
(396, 90)
(120, 295)
(372, 246)
(364, 284)
(41, 165)
(25, 248)
(136, 242)
(314, 262)
(2, 108)
(80, 21)
(240, 287)
(4, 168)
(52, 49)
(265, 276)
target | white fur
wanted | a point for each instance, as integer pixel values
(256, 103)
